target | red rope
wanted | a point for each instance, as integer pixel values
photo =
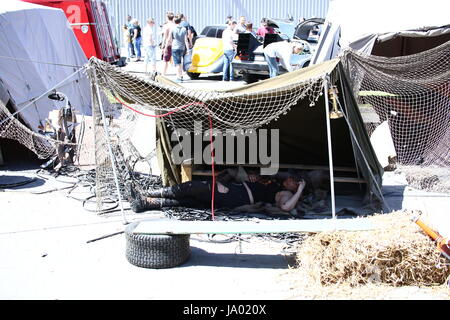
(210, 139)
(159, 115)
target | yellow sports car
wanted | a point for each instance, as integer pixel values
(207, 52)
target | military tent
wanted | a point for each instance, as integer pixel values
(384, 28)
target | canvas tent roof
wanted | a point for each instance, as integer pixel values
(358, 24)
(28, 33)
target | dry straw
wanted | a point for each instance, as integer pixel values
(396, 253)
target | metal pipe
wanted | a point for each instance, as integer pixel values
(330, 149)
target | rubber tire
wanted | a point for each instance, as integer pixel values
(193, 76)
(156, 251)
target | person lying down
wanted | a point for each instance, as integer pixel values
(197, 194)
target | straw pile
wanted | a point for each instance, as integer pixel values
(397, 253)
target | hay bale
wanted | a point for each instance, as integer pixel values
(397, 253)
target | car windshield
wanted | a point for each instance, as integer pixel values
(213, 31)
(205, 31)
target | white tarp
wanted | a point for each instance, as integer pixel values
(358, 24)
(40, 34)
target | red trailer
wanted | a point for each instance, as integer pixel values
(90, 22)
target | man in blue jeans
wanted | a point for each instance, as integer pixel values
(180, 45)
(229, 51)
(282, 50)
(137, 37)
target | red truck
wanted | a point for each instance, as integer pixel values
(90, 22)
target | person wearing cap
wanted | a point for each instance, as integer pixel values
(282, 50)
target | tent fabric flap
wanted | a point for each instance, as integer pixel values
(38, 52)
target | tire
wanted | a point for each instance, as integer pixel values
(156, 251)
(193, 76)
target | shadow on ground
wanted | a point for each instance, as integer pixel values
(200, 257)
(20, 182)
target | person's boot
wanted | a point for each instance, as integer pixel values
(162, 193)
(141, 205)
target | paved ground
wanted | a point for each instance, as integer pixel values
(44, 254)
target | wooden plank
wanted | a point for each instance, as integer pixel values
(349, 180)
(368, 114)
(251, 227)
(374, 93)
(186, 173)
(293, 166)
(208, 173)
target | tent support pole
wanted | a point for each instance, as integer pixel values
(330, 149)
(111, 154)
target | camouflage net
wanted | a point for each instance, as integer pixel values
(411, 93)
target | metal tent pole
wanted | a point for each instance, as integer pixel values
(111, 154)
(330, 151)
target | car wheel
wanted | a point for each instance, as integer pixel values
(156, 251)
(192, 75)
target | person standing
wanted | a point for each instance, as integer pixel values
(229, 51)
(282, 50)
(185, 24)
(129, 25)
(137, 38)
(249, 29)
(166, 45)
(149, 42)
(229, 18)
(264, 29)
(180, 45)
(240, 28)
(127, 41)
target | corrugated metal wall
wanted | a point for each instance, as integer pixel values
(201, 13)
